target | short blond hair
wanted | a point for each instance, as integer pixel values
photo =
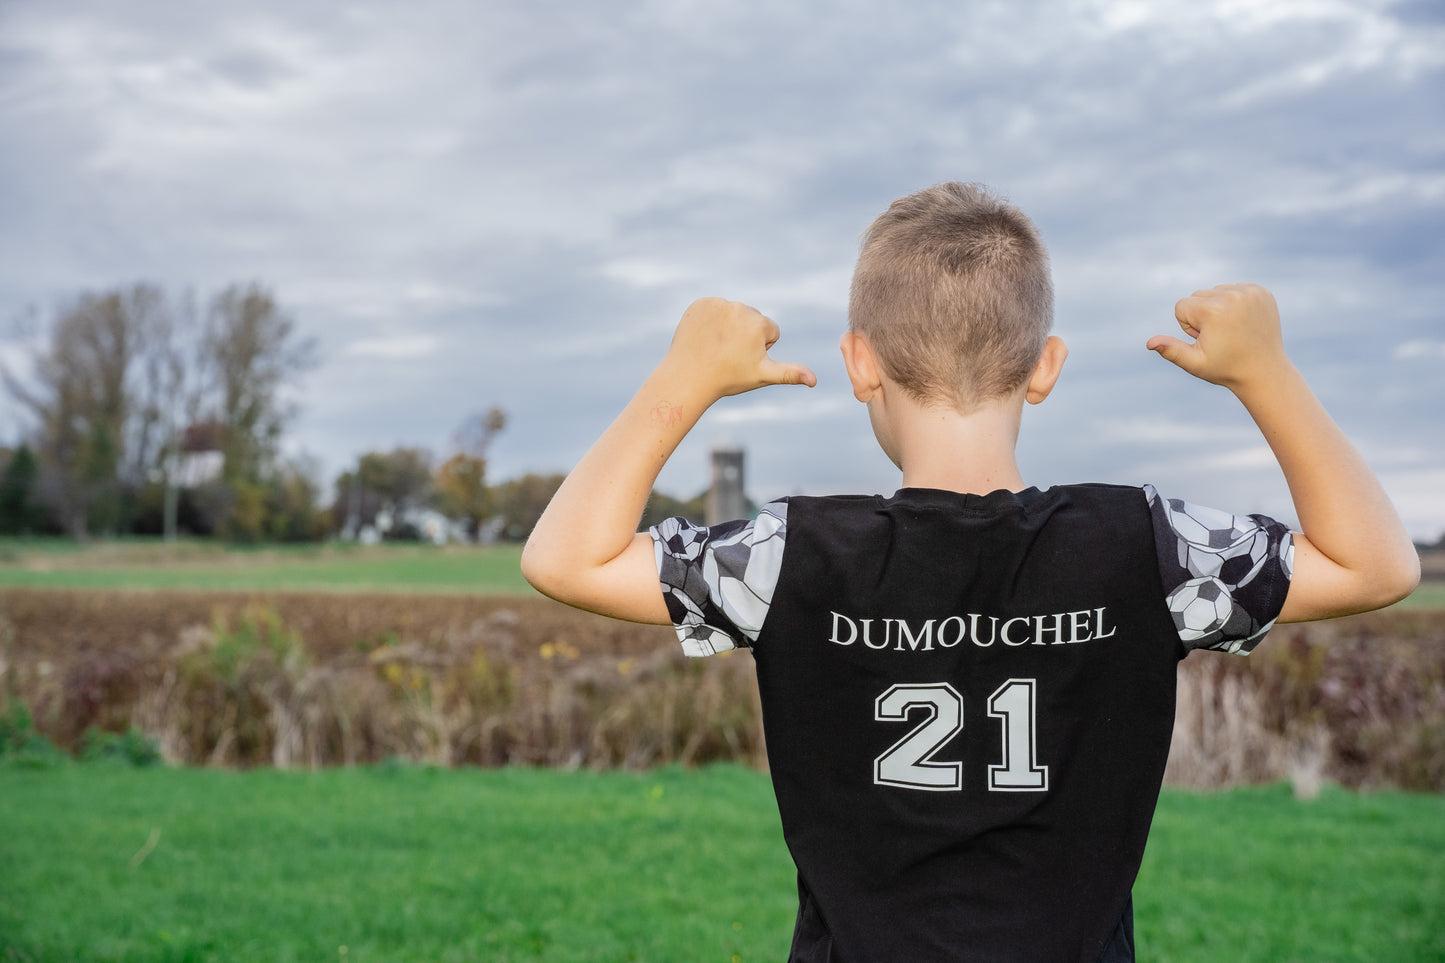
(952, 290)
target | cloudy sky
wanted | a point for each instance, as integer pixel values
(510, 203)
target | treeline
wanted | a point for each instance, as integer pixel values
(153, 414)
(131, 389)
(398, 494)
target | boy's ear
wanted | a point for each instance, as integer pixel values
(861, 364)
(1046, 372)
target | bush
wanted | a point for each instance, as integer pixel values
(21, 745)
(131, 748)
(236, 689)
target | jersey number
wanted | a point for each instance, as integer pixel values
(909, 763)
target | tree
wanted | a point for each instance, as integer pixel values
(402, 476)
(521, 501)
(461, 487)
(475, 434)
(171, 391)
(660, 506)
(280, 508)
(394, 480)
(250, 352)
(293, 510)
(124, 376)
(91, 427)
(20, 513)
(156, 380)
(461, 482)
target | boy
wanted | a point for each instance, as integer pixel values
(968, 688)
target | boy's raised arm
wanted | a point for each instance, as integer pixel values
(586, 550)
(1353, 553)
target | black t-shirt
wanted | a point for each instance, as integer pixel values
(968, 699)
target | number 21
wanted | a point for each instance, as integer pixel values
(909, 763)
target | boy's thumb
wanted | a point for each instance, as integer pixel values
(1172, 350)
(788, 373)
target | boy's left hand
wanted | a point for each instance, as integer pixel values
(1236, 336)
(723, 346)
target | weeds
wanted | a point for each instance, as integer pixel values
(317, 680)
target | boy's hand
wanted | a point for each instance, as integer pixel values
(723, 346)
(1236, 335)
(1352, 553)
(585, 549)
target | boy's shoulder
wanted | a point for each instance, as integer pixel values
(916, 525)
(1003, 503)
(1223, 577)
(719, 581)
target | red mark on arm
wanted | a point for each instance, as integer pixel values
(667, 415)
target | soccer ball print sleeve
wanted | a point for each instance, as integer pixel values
(1225, 576)
(718, 581)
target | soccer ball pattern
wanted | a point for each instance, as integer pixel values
(1201, 606)
(718, 582)
(1224, 575)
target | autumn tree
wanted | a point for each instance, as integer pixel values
(461, 487)
(461, 481)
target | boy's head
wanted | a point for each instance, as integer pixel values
(952, 292)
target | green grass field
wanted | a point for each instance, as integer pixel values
(392, 863)
(151, 564)
(206, 565)
(1430, 595)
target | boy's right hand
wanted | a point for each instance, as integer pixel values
(1236, 333)
(723, 346)
(585, 549)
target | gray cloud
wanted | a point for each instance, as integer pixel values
(511, 203)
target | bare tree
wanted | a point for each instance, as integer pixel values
(92, 436)
(127, 372)
(171, 391)
(475, 434)
(251, 352)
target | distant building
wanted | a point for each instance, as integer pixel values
(725, 499)
(409, 524)
(201, 458)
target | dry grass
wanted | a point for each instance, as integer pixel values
(306, 680)
(1358, 701)
(321, 679)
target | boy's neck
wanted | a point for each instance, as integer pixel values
(971, 453)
